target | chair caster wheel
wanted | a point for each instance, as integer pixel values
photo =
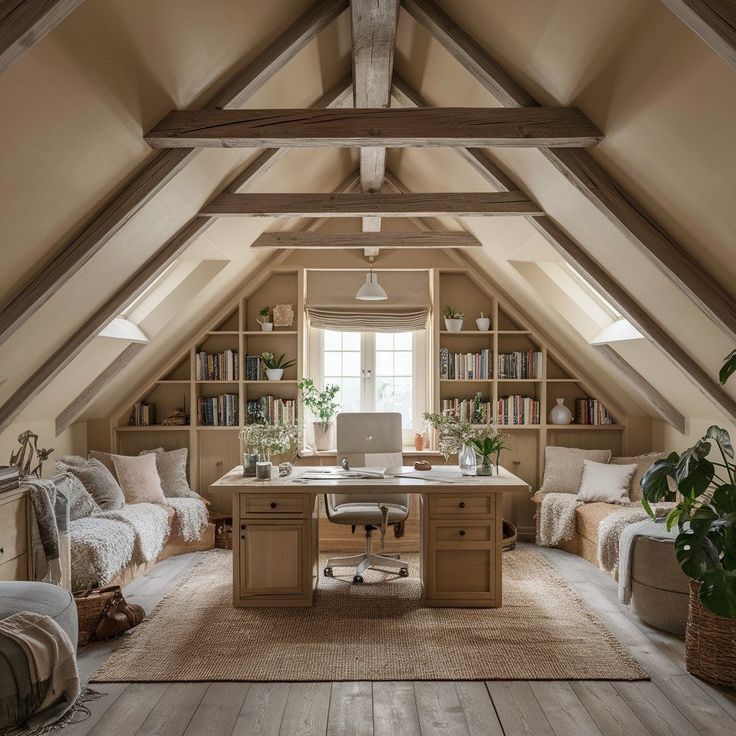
(328, 572)
(403, 572)
(358, 580)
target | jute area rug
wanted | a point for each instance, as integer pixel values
(377, 631)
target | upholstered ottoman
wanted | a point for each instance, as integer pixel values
(42, 598)
(659, 588)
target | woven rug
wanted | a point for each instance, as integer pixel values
(377, 631)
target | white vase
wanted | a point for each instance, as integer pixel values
(467, 461)
(560, 414)
(483, 323)
(324, 436)
(453, 325)
(266, 326)
(274, 374)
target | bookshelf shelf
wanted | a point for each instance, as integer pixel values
(563, 380)
(223, 332)
(466, 380)
(585, 427)
(153, 428)
(282, 382)
(520, 380)
(166, 381)
(234, 427)
(274, 333)
(475, 333)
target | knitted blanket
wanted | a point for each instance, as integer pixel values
(191, 517)
(151, 523)
(556, 518)
(101, 548)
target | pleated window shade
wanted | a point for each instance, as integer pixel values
(331, 303)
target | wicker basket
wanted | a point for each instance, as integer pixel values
(710, 643)
(90, 606)
(510, 535)
(223, 530)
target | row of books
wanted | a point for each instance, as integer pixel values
(520, 364)
(254, 368)
(468, 410)
(218, 411)
(9, 475)
(465, 366)
(591, 411)
(142, 414)
(270, 410)
(217, 366)
(516, 410)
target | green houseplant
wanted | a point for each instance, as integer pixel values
(275, 367)
(265, 322)
(323, 405)
(453, 319)
(488, 444)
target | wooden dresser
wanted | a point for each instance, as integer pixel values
(15, 535)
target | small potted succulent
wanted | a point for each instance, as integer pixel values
(324, 406)
(265, 322)
(453, 319)
(275, 367)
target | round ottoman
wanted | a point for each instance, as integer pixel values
(659, 588)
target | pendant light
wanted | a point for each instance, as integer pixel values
(371, 291)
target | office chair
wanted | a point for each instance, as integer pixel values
(368, 439)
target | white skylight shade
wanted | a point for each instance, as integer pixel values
(123, 329)
(617, 331)
(371, 291)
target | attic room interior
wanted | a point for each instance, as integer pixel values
(367, 367)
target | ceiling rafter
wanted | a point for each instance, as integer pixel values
(156, 172)
(582, 170)
(360, 241)
(598, 278)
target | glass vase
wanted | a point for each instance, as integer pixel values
(466, 460)
(485, 467)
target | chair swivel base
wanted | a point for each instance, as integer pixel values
(367, 560)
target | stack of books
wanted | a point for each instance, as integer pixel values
(520, 364)
(9, 475)
(591, 411)
(142, 415)
(465, 366)
(270, 410)
(517, 410)
(468, 410)
(218, 411)
(218, 366)
(254, 368)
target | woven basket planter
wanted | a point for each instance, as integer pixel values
(90, 607)
(710, 643)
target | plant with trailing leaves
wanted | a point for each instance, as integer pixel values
(272, 362)
(705, 477)
(322, 403)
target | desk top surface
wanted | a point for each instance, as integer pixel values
(504, 482)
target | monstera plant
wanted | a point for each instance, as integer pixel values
(705, 477)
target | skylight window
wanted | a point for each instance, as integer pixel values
(602, 302)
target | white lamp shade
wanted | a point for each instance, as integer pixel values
(371, 290)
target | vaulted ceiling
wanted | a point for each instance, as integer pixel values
(76, 107)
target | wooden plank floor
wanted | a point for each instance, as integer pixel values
(673, 704)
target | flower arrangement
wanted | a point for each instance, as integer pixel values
(269, 439)
(453, 433)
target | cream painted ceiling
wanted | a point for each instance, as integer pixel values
(74, 108)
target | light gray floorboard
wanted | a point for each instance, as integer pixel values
(477, 705)
(97, 708)
(564, 711)
(440, 710)
(608, 709)
(395, 709)
(130, 710)
(218, 710)
(518, 709)
(351, 709)
(654, 709)
(263, 709)
(173, 712)
(307, 709)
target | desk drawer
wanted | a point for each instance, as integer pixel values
(272, 504)
(461, 533)
(460, 506)
(13, 529)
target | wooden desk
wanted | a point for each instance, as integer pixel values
(276, 550)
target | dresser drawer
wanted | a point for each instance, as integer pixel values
(461, 534)
(13, 528)
(266, 504)
(16, 569)
(460, 506)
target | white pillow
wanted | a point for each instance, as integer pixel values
(139, 479)
(563, 467)
(606, 483)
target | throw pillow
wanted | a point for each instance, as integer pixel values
(96, 478)
(172, 470)
(81, 503)
(106, 459)
(643, 463)
(138, 478)
(605, 483)
(563, 467)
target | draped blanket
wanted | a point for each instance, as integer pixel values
(151, 524)
(191, 518)
(556, 518)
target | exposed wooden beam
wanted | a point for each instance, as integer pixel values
(380, 204)
(582, 170)
(373, 30)
(155, 174)
(646, 391)
(598, 278)
(316, 241)
(142, 279)
(713, 20)
(88, 394)
(400, 128)
(23, 23)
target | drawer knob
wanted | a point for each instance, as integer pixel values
(462, 504)
(462, 532)
(242, 526)
(273, 504)
(2, 550)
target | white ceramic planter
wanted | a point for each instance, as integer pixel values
(324, 436)
(274, 374)
(453, 325)
(266, 326)
(483, 323)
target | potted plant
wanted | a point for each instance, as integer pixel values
(275, 367)
(260, 441)
(265, 321)
(324, 406)
(705, 478)
(453, 319)
(487, 444)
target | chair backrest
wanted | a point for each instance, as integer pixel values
(370, 439)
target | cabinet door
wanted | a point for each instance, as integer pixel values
(273, 558)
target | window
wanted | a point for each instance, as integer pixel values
(376, 371)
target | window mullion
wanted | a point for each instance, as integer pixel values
(368, 345)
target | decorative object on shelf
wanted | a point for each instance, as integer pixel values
(177, 417)
(250, 459)
(265, 322)
(371, 291)
(9, 477)
(560, 414)
(422, 465)
(466, 460)
(324, 406)
(453, 319)
(487, 445)
(419, 441)
(283, 315)
(275, 367)
(29, 457)
(483, 323)
(263, 470)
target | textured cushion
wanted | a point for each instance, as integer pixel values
(80, 501)
(589, 515)
(366, 513)
(96, 478)
(101, 548)
(563, 467)
(106, 459)
(138, 478)
(172, 470)
(605, 483)
(643, 463)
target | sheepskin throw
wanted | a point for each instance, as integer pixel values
(556, 518)
(191, 518)
(151, 524)
(100, 549)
